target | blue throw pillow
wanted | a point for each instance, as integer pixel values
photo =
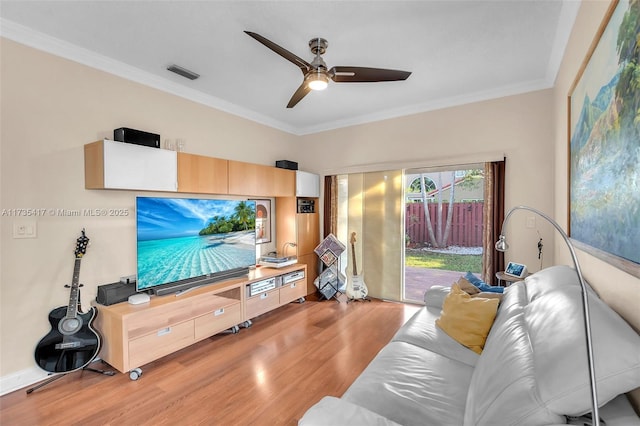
(482, 286)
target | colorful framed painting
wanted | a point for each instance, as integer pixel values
(604, 143)
(263, 221)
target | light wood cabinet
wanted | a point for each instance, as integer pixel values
(307, 184)
(302, 229)
(290, 286)
(118, 165)
(284, 182)
(202, 175)
(260, 180)
(311, 260)
(134, 335)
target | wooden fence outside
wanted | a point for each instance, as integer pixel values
(466, 223)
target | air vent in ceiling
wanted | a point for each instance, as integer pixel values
(183, 72)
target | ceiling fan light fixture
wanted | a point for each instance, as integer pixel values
(317, 81)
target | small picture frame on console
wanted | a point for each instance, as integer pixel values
(263, 221)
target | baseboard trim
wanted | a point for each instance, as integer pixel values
(20, 379)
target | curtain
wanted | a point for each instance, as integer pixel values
(330, 205)
(369, 205)
(494, 181)
(381, 237)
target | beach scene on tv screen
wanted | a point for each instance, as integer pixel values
(181, 238)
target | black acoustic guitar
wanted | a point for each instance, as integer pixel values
(72, 343)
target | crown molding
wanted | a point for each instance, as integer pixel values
(40, 41)
(469, 98)
(29, 37)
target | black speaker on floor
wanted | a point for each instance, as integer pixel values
(109, 294)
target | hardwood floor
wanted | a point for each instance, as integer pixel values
(268, 374)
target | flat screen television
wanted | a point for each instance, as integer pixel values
(186, 242)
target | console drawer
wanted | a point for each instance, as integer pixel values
(204, 304)
(292, 291)
(218, 320)
(262, 303)
(158, 317)
(160, 343)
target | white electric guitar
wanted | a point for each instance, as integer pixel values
(356, 288)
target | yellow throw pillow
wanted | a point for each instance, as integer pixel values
(466, 319)
(488, 295)
(467, 287)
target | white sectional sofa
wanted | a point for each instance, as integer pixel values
(532, 370)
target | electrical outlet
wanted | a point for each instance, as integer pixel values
(128, 279)
(25, 229)
(531, 222)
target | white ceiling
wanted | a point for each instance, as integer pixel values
(457, 51)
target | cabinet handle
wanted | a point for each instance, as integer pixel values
(264, 295)
(164, 331)
(218, 312)
(293, 285)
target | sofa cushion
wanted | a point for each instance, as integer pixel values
(413, 386)
(467, 319)
(467, 287)
(534, 370)
(421, 330)
(337, 412)
(435, 295)
(469, 276)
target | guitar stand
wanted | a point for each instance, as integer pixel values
(362, 299)
(59, 376)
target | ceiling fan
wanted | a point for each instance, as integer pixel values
(317, 75)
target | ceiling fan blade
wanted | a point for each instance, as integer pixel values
(297, 61)
(299, 94)
(366, 75)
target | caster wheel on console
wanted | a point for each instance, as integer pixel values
(135, 374)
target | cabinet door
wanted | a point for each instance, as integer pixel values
(312, 261)
(243, 178)
(204, 175)
(307, 184)
(119, 165)
(308, 228)
(260, 180)
(285, 223)
(284, 182)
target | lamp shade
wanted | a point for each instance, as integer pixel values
(501, 244)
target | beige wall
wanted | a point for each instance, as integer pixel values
(617, 288)
(51, 107)
(518, 127)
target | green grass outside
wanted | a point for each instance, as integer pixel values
(449, 262)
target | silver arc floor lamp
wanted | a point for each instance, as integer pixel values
(501, 245)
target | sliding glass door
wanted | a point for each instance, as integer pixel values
(443, 218)
(412, 228)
